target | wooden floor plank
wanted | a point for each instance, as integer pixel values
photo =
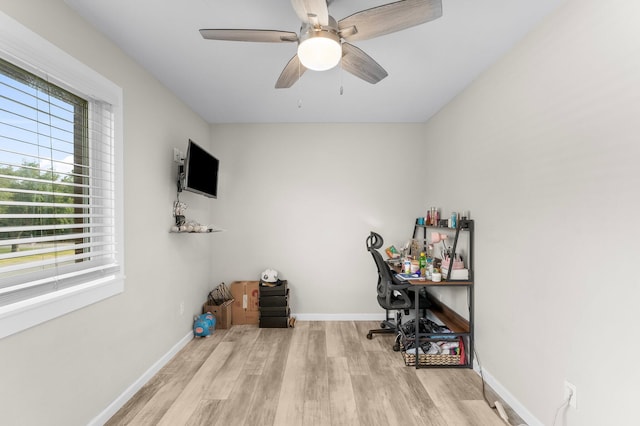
(187, 402)
(333, 338)
(369, 401)
(263, 404)
(220, 385)
(316, 397)
(205, 411)
(342, 404)
(290, 406)
(354, 350)
(234, 410)
(318, 373)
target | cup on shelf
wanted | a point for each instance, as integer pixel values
(436, 277)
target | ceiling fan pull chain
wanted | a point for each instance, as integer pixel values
(340, 72)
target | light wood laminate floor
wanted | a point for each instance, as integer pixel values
(318, 373)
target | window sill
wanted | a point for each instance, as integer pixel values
(23, 315)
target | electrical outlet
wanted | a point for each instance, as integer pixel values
(181, 308)
(177, 156)
(570, 391)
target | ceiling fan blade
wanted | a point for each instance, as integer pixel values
(317, 8)
(266, 36)
(361, 65)
(290, 74)
(389, 18)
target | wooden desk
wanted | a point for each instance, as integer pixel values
(454, 321)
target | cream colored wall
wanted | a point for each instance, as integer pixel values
(66, 371)
(543, 149)
(302, 198)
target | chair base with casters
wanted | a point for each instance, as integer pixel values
(388, 326)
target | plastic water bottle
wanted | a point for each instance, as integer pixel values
(423, 264)
(407, 265)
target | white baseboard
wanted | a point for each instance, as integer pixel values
(119, 402)
(508, 397)
(339, 317)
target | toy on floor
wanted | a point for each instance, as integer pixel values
(203, 325)
(212, 320)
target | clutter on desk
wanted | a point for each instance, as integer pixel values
(392, 252)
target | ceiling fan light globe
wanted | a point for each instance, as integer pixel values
(320, 51)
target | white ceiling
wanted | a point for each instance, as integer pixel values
(233, 82)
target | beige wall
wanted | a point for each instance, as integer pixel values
(66, 371)
(302, 198)
(543, 149)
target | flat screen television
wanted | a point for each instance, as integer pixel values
(200, 171)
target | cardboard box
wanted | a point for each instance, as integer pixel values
(221, 312)
(245, 308)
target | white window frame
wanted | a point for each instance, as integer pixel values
(26, 49)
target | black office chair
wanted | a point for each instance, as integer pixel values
(393, 294)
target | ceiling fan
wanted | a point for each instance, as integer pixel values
(323, 41)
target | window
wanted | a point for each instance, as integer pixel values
(60, 185)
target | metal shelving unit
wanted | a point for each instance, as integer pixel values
(460, 327)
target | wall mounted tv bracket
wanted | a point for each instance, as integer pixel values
(178, 206)
(180, 182)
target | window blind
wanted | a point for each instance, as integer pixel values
(57, 188)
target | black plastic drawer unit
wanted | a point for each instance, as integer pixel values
(273, 301)
(274, 322)
(274, 305)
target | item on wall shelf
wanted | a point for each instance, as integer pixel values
(193, 227)
(178, 212)
(453, 220)
(433, 217)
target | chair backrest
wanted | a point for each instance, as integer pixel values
(386, 283)
(374, 241)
